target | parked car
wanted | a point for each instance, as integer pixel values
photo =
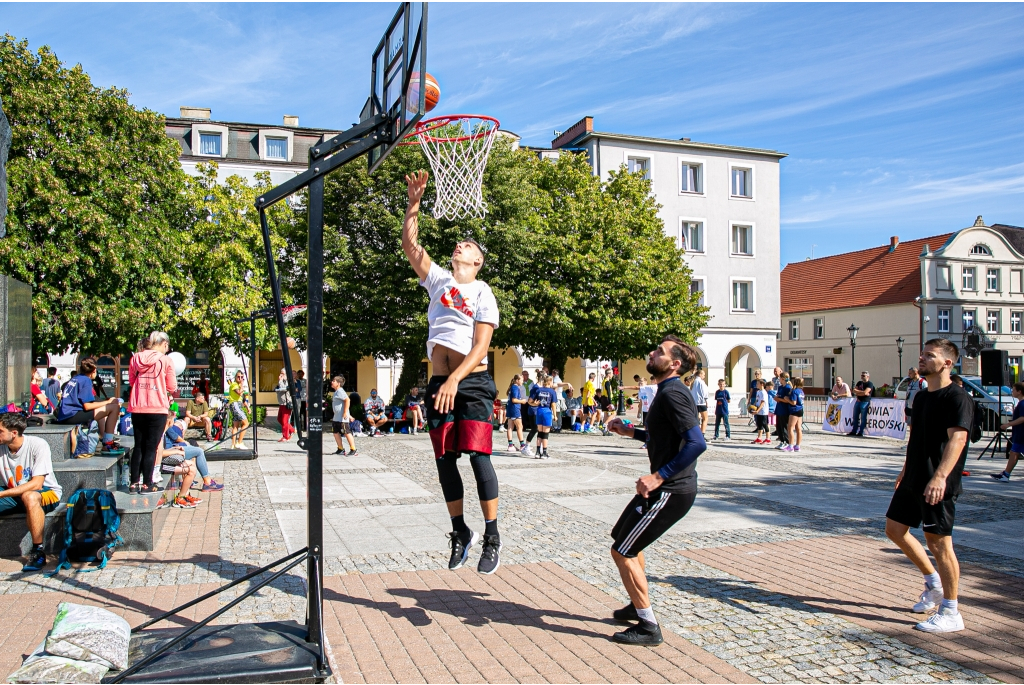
(985, 395)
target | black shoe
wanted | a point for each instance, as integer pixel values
(340, 451)
(626, 614)
(37, 560)
(460, 544)
(489, 559)
(644, 633)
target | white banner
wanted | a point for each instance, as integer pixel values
(885, 417)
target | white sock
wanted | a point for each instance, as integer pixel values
(950, 604)
(932, 581)
(647, 615)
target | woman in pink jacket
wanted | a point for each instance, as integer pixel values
(151, 376)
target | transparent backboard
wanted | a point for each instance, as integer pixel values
(398, 70)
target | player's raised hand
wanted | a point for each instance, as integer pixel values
(417, 182)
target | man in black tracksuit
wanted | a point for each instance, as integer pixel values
(674, 441)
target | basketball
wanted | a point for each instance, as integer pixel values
(433, 91)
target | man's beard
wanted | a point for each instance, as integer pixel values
(655, 370)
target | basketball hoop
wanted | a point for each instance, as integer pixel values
(457, 147)
(291, 311)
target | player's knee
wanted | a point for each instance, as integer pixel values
(31, 499)
(448, 475)
(486, 479)
(895, 530)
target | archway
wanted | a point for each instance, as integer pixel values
(740, 364)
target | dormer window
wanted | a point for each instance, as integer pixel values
(209, 144)
(209, 140)
(276, 144)
(982, 250)
(277, 148)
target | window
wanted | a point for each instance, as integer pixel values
(1017, 281)
(968, 279)
(943, 321)
(691, 178)
(794, 330)
(640, 165)
(692, 236)
(1015, 318)
(992, 281)
(277, 148)
(697, 286)
(800, 367)
(743, 240)
(209, 144)
(992, 321)
(968, 318)
(742, 182)
(980, 249)
(742, 296)
(942, 281)
(819, 328)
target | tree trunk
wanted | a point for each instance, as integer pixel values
(411, 360)
(556, 359)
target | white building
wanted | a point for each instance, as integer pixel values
(721, 203)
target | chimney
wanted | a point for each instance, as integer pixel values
(894, 242)
(979, 221)
(685, 140)
(195, 112)
(291, 119)
(577, 130)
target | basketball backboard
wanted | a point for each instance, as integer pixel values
(400, 58)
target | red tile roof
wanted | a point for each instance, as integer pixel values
(869, 277)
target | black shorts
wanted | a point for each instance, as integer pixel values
(588, 409)
(799, 413)
(340, 427)
(702, 408)
(761, 422)
(644, 521)
(82, 418)
(467, 427)
(910, 509)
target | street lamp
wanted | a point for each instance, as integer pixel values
(852, 330)
(899, 348)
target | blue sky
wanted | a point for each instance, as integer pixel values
(899, 119)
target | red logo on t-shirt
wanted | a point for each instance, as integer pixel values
(453, 299)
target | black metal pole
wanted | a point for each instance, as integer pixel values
(314, 404)
(853, 360)
(252, 374)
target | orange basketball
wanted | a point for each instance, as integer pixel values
(432, 90)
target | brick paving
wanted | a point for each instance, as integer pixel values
(751, 602)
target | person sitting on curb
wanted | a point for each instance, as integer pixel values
(174, 440)
(28, 481)
(375, 414)
(172, 461)
(199, 415)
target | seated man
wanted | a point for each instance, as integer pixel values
(603, 409)
(199, 415)
(175, 443)
(28, 481)
(414, 409)
(375, 414)
(78, 406)
(574, 409)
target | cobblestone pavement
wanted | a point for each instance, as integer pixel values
(711, 586)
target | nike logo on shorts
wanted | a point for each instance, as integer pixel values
(929, 525)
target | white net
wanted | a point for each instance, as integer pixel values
(457, 148)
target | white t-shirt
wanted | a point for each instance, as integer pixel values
(761, 396)
(33, 459)
(455, 308)
(646, 395)
(700, 392)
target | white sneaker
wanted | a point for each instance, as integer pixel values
(512, 448)
(241, 446)
(942, 621)
(928, 600)
(526, 451)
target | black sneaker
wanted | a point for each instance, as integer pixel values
(626, 614)
(460, 548)
(353, 453)
(37, 560)
(340, 451)
(489, 559)
(644, 633)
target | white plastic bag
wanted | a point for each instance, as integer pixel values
(41, 667)
(89, 634)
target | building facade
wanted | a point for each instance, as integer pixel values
(721, 204)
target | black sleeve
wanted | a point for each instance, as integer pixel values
(961, 412)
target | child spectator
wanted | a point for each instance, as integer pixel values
(722, 400)
(51, 386)
(174, 443)
(796, 416)
(342, 418)
(514, 413)
(79, 407)
(39, 404)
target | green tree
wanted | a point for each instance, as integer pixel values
(96, 205)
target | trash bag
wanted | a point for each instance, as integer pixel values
(41, 667)
(89, 634)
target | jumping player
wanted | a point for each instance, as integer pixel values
(674, 441)
(929, 483)
(460, 396)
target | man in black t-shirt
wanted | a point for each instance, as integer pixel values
(929, 484)
(862, 392)
(674, 441)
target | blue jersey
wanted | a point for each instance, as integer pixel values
(533, 396)
(547, 397)
(797, 395)
(782, 394)
(771, 400)
(77, 392)
(1017, 433)
(171, 436)
(722, 400)
(513, 410)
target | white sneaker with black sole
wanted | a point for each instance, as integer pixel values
(942, 621)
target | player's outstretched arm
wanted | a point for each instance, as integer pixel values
(418, 257)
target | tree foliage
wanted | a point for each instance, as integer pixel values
(96, 202)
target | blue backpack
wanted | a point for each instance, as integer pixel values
(90, 529)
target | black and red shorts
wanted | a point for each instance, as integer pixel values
(467, 427)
